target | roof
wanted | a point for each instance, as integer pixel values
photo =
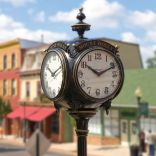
(23, 43)
(143, 78)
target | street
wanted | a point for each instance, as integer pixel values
(15, 150)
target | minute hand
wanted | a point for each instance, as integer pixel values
(55, 71)
(100, 73)
(93, 70)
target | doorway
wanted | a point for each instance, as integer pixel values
(124, 132)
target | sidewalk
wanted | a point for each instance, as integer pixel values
(92, 150)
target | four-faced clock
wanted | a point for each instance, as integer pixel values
(53, 74)
(97, 74)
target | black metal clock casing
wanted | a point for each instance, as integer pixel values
(85, 74)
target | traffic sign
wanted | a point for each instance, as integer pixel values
(38, 144)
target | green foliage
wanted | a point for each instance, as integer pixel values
(5, 108)
(72, 120)
(151, 62)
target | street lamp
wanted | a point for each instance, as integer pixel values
(24, 137)
(138, 94)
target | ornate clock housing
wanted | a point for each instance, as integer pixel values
(82, 74)
(97, 74)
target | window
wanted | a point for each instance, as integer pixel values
(55, 123)
(27, 89)
(1, 123)
(38, 89)
(95, 124)
(27, 62)
(13, 87)
(111, 123)
(5, 62)
(13, 61)
(4, 87)
(39, 60)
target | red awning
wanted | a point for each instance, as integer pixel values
(19, 112)
(41, 114)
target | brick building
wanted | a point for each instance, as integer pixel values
(11, 58)
(40, 112)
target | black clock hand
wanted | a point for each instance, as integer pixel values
(100, 73)
(93, 70)
(55, 71)
(50, 71)
(56, 75)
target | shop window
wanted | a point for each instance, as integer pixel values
(27, 89)
(95, 124)
(13, 88)
(111, 123)
(55, 123)
(38, 89)
(4, 87)
(5, 62)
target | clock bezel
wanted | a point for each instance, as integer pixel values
(64, 63)
(75, 77)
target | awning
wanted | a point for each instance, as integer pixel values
(41, 114)
(19, 112)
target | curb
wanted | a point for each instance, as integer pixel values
(50, 149)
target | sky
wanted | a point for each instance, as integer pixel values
(131, 21)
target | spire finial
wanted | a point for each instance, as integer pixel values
(81, 27)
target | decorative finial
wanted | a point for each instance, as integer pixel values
(81, 27)
(81, 9)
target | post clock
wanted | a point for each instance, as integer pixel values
(82, 75)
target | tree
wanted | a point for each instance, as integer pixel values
(151, 62)
(5, 108)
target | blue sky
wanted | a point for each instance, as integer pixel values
(126, 20)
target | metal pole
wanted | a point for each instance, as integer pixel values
(24, 137)
(82, 119)
(37, 144)
(140, 150)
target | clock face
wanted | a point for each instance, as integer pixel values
(52, 74)
(98, 74)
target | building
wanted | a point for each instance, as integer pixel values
(30, 96)
(129, 52)
(120, 126)
(11, 58)
(40, 111)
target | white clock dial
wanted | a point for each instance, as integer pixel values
(98, 74)
(52, 74)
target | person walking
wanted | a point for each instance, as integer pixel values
(142, 140)
(150, 141)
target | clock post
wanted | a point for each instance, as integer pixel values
(82, 75)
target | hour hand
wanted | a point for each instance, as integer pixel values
(93, 70)
(50, 71)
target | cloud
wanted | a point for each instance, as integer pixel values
(146, 50)
(19, 2)
(30, 11)
(40, 16)
(10, 29)
(100, 14)
(146, 20)
(151, 36)
(129, 37)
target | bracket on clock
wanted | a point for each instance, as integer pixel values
(57, 107)
(106, 106)
(75, 105)
(74, 51)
